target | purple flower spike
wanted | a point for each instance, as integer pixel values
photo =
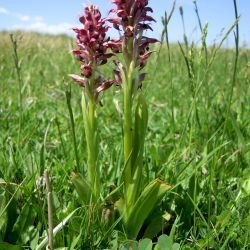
(133, 19)
(92, 50)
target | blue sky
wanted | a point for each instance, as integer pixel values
(54, 16)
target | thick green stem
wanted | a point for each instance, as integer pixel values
(128, 132)
(90, 126)
(133, 128)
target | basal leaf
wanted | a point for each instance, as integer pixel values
(82, 187)
(145, 204)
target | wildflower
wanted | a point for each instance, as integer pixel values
(92, 51)
(133, 19)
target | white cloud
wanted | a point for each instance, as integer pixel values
(42, 27)
(21, 17)
(3, 11)
(38, 19)
(24, 18)
(37, 24)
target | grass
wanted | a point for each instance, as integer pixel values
(197, 142)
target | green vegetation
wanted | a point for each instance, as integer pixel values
(198, 142)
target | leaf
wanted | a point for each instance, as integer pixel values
(241, 140)
(155, 225)
(42, 160)
(141, 122)
(24, 221)
(156, 247)
(75, 242)
(7, 246)
(134, 186)
(56, 230)
(245, 185)
(164, 242)
(151, 195)
(176, 246)
(3, 218)
(120, 206)
(145, 244)
(129, 246)
(82, 187)
(34, 236)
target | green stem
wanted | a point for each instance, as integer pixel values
(72, 126)
(20, 82)
(90, 126)
(128, 146)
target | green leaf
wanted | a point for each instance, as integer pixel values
(164, 242)
(149, 198)
(156, 247)
(241, 140)
(82, 187)
(3, 217)
(141, 122)
(57, 229)
(34, 236)
(120, 205)
(134, 186)
(176, 246)
(75, 242)
(145, 244)
(24, 221)
(7, 246)
(246, 186)
(155, 225)
(129, 246)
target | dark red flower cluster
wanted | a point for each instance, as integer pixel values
(92, 49)
(133, 19)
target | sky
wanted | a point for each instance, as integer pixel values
(59, 16)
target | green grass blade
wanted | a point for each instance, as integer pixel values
(58, 228)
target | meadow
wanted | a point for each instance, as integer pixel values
(197, 141)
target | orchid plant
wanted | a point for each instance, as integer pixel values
(132, 19)
(91, 52)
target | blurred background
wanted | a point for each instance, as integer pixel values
(58, 17)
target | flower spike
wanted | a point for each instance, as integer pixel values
(133, 19)
(92, 50)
